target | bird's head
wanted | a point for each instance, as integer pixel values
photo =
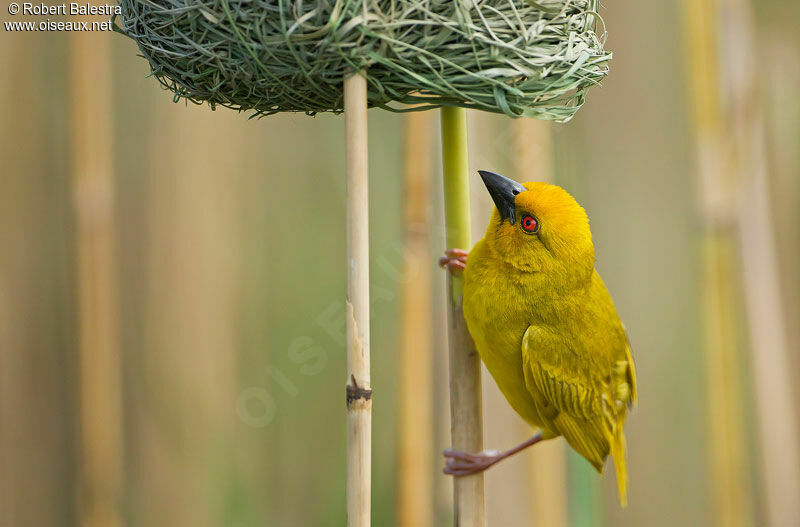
(537, 227)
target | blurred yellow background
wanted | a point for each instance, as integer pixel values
(172, 288)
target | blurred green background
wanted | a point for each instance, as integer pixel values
(227, 265)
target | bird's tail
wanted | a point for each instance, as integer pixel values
(617, 445)
(595, 440)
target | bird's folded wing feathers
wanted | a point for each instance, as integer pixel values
(580, 383)
(583, 395)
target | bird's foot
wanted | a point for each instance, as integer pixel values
(454, 260)
(465, 464)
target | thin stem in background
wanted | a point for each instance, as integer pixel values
(100, 440)
(731, 490)
(415, 426)
(779, 444)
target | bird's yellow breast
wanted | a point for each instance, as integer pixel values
(497, 323)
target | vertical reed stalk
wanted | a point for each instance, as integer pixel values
(778, 428)
(35, 410)
(547, 469)
(781, 52)
(359, 393)
(415, 427)
(465, 372)
(100, 485)
(731, 492)
(585, 502)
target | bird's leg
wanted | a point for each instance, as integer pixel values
(464, 464)
(455, 260)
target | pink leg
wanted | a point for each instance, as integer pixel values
(455, 260)
(464, 464)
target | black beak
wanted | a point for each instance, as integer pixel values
(503, 192)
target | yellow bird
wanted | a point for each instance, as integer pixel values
(545, 326)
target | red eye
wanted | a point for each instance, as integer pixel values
(529, 224)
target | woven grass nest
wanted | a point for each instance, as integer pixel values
(517, 57)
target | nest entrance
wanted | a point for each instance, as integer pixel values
(517, 57)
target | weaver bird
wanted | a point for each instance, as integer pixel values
(545, 327)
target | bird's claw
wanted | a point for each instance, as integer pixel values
(465, 464)
(455, 260)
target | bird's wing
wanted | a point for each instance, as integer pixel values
(582, 393)
(579, 382)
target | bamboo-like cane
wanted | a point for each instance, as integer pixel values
(359, 392)
(731, 491)
(465, 368)
(779, 444)
(415, 427)
(100, 485)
